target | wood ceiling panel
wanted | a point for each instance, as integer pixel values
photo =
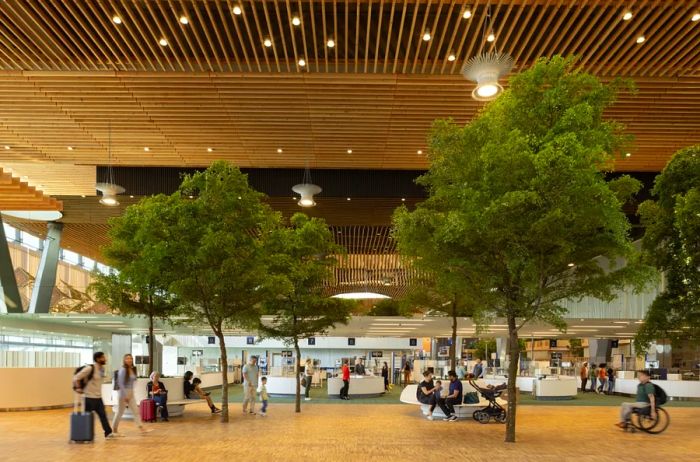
(17, 195)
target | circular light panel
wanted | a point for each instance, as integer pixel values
(34, 215)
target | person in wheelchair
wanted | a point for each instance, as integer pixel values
(646, 398)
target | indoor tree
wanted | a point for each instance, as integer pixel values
(137, 251)
(301, 259)
(672, 244)
(217, 266)
(519, 198)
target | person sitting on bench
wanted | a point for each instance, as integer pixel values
(454, 397)
(427, 393)
(192, 390)
(156, 389)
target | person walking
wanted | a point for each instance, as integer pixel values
(250, 383)
(602, 378)
(385, 375)
(345, 372)
(584, 377)
(89, 381)
(262, 389)
(406, 373)
(611, 380)
(593, 376)
(308, 378)
(126, 377)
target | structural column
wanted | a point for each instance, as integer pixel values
(46, 275)
(598, 350)
(10, 301)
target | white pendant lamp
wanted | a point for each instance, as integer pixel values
(487, 68)
(110, 190)
(306, 189)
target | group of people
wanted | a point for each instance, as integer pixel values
(435, 394)
(601, 377)
(251, 388)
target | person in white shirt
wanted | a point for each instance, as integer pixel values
(308, 378)
(250, 383)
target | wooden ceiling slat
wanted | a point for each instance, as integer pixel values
(303, 37)
(229, 37)
(104, 43)
(106, 17)
(29, 32)
(240, 37)
(356, 56)
(387, 48)
(134, 37)
(433, 33)
(87, 37)
(692, 37)
(325, 34)
(419, 39)
(445, 27)
(544, 11)
(367, 40)
(251, 40)
(398, 40)
(336, 34)
(274, 42)
(410, 36)
(380, 38)
(314, 41)
(261, 34)
(206, 25)
(169, 16)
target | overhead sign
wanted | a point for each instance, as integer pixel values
(377, 354)
(250, 340)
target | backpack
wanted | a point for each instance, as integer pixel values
(115, 380)
(84, 381)
(660, 395)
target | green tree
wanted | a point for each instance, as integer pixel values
(137, 251)
(672, 244)
(519, 199)
(484, 348)
(217, 266)
(302, 257)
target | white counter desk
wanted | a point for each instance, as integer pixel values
(364, 386)
(678, 389)
(550, 388)
(282, 385)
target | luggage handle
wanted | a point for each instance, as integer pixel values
(79, 403)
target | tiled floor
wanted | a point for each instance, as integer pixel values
(352, 432)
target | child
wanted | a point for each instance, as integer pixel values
(438, 389)
(262, 389)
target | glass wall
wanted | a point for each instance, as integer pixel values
(42, 349)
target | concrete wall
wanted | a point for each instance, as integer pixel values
(35, 388)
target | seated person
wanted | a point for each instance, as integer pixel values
(438, 388)
(646, 397)
(426, 393)
(156, 389)
(187, 387)
(454, 397)
(197, 390)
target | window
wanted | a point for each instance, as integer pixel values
(71, 257)
(30, 241)
(88, 263)
(10, 232)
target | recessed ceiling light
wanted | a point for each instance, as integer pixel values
(348, 198)
(491, 37)
(451, 57)
(210, 149)
(131, 196)
(571, 265)
(296, 21)
(184, 20)
(70, 148)
(83, 196)
(267, 42)
(146, 149)
(279, 150)
(116, 19)
(628, 154)
(467, 13)
(695, 17)
(302, 62)
(330, 43)
(403, 199)
(627, 16)
(294, 198)
(641, 39)
(420, 151)
(426, 36)
(163, 42)
(7, 147)
(349, 151)
(237, 10)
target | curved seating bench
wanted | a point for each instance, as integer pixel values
(408, 396)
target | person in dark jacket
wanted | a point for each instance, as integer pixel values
(611, 380)
(385, 374)
(156, 389)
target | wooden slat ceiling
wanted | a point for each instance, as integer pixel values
(17, 195)
(66, 70)
(56, 180)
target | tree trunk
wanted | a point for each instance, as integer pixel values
(224, 377)
(151, 340)
(453, 345)
(297, 365)
(514, 353)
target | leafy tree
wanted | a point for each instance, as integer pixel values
(137, 251)
(484, 348)
(576, 347)
(519, 199)
(217, 266)
(302, 258)
(672, 244)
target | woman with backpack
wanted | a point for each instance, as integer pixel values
(124, 384)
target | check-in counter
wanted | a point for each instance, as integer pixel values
(555, 388)
(283, 385)
(361, 386)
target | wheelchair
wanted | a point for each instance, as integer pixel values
(641, 420)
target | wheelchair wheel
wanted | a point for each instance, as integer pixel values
(501, 418)
(484, 418)
(655, 426)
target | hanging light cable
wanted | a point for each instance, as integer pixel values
(487, 68)
(306, 189)
(109, 189)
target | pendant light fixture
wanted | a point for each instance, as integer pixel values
(306, 189)
(487, 68)
(110, 190)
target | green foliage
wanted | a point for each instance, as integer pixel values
(576, 347)
(138, 251)
(519, 194)
(672, 244)
(387, 307)
(484, 347)
(301, 258)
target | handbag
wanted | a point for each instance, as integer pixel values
(471, 398)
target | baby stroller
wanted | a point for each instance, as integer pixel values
(494, 409)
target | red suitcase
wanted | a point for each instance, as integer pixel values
(148, 410)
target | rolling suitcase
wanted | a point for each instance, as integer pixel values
(82, 424)
(148, 410)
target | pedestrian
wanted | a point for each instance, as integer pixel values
(478, 370)
(89, 380)
(406, 373)
(250, 383)
(262, 389)
(345, 371)
(593, 376)
(584, 377)
(308, 378)
(611, 380)
(385, 375)
(602, 378)
(126, 377)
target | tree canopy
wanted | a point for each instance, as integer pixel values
(672, 244)
(519, 207)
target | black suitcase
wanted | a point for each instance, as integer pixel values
(82, 424)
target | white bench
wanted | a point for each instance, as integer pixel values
(462, 411)
(176, 396)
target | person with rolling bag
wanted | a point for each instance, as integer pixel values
(87, 383)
